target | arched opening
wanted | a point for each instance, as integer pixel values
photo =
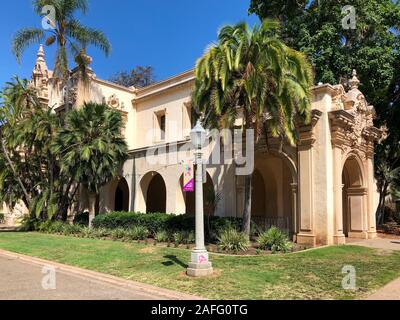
(210, 198)
(153, 193)
(258, 206)
(121, 202)
(353, 197)
(272, 195)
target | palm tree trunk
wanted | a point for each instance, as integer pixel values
(247, 204)
(97, 204)
(10, 164)
(66, 97)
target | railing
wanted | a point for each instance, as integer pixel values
(264, 223)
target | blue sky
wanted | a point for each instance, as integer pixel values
(168, 35)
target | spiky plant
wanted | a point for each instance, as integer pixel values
(91, 146)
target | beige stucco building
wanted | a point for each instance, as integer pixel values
(320, 191)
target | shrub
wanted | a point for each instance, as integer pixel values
(29, 224)
(86, 232)
(52, 227)
(119, 233)
(99, 233)
(190, 237)
(178, 238)
(155, 222)
(137, 233)
(2, 218)
(152, 221)
(161, 236)
(274, 240)
(71, 229)
(232, 240)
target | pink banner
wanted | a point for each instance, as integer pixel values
(188, 177)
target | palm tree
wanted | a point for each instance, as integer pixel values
(26, 164)
(253, 73)
(66, 32)
(91, 146)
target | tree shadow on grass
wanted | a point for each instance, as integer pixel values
(172, 260)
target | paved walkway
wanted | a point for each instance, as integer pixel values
(392, 290)
(378, 243)
(22, 278)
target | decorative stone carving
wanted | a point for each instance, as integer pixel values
(307, 135)
(352, 126)
(338, 99)
(113, 102)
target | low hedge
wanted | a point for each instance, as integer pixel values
(155, 222)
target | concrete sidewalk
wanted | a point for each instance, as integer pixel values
(377, 243)
(22, 278)
(389, 292)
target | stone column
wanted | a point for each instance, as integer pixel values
(306, 220)
(338, 235)
(371, 187)
(306, 230)
(294, 211)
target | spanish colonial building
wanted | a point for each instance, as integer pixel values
(321, 191)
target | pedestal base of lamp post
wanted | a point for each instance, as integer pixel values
(199, 266)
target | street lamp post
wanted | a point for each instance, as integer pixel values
(200, 265)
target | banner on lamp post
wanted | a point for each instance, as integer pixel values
(188, 177)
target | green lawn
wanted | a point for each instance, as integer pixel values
(314, 274)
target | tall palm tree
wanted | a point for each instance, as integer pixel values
(66, 32)
(91, 146)
(253, 73)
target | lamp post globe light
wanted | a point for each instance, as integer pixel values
(200, 265)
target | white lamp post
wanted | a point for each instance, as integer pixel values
(200, 265)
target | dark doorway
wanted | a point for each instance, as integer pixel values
(156, 195)
(122, 196)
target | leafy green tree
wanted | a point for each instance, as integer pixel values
(27, 166)
(387, 157)
(315, 28)
(91, 146)
(139, 77)
(255, 70)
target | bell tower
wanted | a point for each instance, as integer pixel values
(40, 76)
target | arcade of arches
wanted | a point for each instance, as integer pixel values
(154, 193)
(320, 191)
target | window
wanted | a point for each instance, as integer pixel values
(187, 119)
(160, 126)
